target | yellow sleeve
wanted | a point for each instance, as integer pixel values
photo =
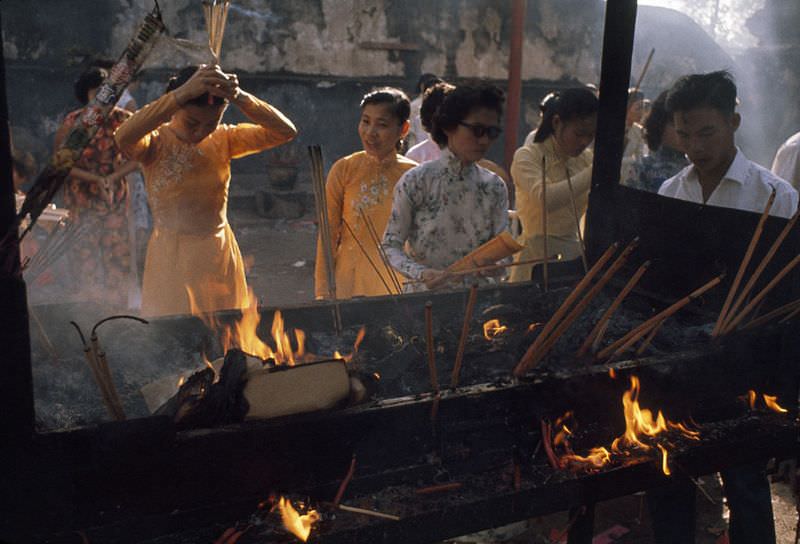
(137, 136)
(269, 128)
(334, 195)
(526, 170)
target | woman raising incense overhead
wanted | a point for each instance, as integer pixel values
(446, 208)
(561, 144)
(185, 153)
(359, 196)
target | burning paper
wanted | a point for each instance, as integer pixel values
(299, 525)
(644, 431)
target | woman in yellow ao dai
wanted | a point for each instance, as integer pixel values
(185, 155)
(360, 186)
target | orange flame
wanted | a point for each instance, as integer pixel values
(751, 399)
(493, 329)
(772, 404)
(639, 423)
(612, 373)
(243, 333)
(298, 525)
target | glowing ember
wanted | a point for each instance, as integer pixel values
(298, 525)
(772, 404)
(493, 329)
(639, 425)
(770, 401)
(612, 373)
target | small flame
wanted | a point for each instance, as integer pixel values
(181, 381)
(493, 329)
(612, 373)
(299, 526)
(772, 403)
(751, 399)
(664, 464)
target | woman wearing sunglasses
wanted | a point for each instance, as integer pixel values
(561, 146)
(445, 208)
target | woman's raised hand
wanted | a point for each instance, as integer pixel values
(209, 79)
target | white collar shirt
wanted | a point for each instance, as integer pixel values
(745, 186)
(787, 161)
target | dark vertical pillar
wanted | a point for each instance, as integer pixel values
(16, 393)
(514, 96)
(620, 23)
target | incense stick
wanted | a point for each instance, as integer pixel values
(596, 336)
(429, 345)
(577, 221)
(761, 266)
(345, 482)
(525, 361)
(644, 71)
(578, 309)
(634, 335)
(497, 266)
(760, 296)
(643, 346)
(366, 256)
(320, 198)
(723, 314)
(366, 512)
(462, 341)
(373, 233)
(545, 275)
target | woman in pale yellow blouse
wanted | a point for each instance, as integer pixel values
(562, 142)
(185, 154)
(365, 181)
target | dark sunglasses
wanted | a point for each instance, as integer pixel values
(479, 131)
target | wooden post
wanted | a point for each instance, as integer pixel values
(16, 389)
(615, 74)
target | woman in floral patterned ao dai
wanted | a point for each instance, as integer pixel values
(186, 156)
(362, 183)
(444, 209)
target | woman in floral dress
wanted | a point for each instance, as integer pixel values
(363, 183)
(96, 195)
(446, 208)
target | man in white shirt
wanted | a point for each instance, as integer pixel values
(787, 161)
(703, 109)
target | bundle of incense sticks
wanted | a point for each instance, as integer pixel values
(94, 114)
(731, 316)
(54, 247)
(216, 14)
(321, 201)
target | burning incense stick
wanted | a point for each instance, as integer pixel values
(545, 251)
(526, 361)
(643, 346)
(761, 266)
(216, 15)
(622, 345)
(760, 296)
(366, 256)
(618, 263)
(429, 345)
(462, 341)
(723, 314)
(431, 489)
(321, 201)
(599, 329)
(790, 308)
(577, 222)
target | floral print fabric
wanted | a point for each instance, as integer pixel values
(442, 210)
(100, 259)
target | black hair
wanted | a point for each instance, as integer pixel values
(182, 77)
(714, 90)
(396, 99)
(460, 102)
(569, 104)
(431, 101)
(90, 79)
(656, 121)
(426, 81)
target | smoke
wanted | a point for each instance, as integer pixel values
(266, 15)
